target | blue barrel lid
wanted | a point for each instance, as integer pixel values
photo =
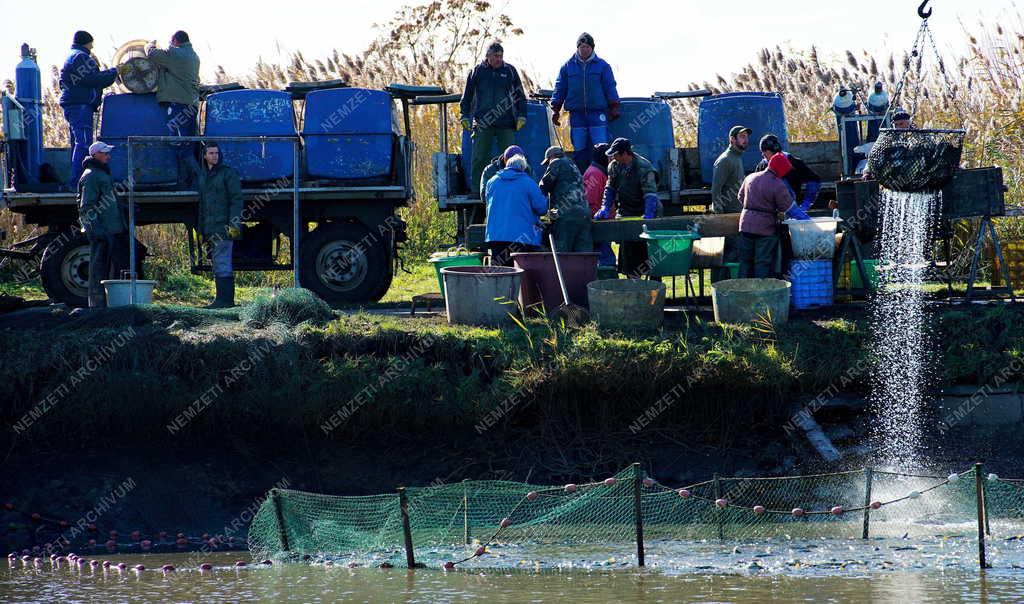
(348, 111)
(250, 112)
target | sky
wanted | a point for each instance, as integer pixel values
(656, 45)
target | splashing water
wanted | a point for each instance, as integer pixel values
(900, 327)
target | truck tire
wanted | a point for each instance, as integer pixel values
(345, 263)
(64, 268)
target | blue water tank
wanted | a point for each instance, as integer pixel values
(28, 91)
(127, 115)
(647, 124)
(762, 112)
(349, 134)
(253, 113)
(535, 138)
(812, 283)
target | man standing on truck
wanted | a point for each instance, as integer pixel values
(81, 92)
(633, 188)
(586, 89)
(220, 208)
(102, 222)
(570, 214)
(178, 91)
(493, 107)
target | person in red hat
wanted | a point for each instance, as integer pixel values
(763, 196)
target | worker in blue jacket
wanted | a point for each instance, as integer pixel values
(514, 207)
(586, 89)
(81, 92)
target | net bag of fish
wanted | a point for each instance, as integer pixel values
(915, 160)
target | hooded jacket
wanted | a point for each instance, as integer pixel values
(178, 75)
(585, 85)
(81, 81)
(98, 210)
(514, 207)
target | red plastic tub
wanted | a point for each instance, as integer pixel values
(540, 281)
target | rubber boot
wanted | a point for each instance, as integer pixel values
(225, 292)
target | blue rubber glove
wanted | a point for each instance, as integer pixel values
(650, 206)
(811, 192)
(797, 213)
(606, 206)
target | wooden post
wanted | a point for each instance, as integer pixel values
(979, 488)
(869, 473)
(403, 505)
(282, 533)
(638, 513)
(718, 510)
(465, 510)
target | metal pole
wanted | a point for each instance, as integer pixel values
(282, 533)
(979, 488)
(465, 510)
(131, 225)
(403, 504)
(638, 514)
(869, 473)
(295, 213)
(718, 510)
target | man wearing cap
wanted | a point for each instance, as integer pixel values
(570, 214)
(178, 92)
(81, 92)
(633, 187)
(102, 222)
(763, 195)
(493, 107)
(586, 89)
(799, 176)
(728, 174)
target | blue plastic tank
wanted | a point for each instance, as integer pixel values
(127, 115)
(349, 134)
(28, 91)
(535, 138)
(762, 112)
(647, 123)
(253, 113)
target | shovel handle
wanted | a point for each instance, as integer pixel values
(558, 270)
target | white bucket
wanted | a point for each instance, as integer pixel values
(813, 239)
(119, 290)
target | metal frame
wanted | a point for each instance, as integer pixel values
(842, 136)
(142, 140)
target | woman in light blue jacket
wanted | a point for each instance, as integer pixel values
(514, 207)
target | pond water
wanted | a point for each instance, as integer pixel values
(876, 570)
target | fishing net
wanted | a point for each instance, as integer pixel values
(915, 160)
(289, 306)
(602, 516)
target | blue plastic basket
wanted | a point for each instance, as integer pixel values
(812, 283)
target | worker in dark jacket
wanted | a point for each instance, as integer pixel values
(81, 92)
(633, 188)
(800, 176)
(220, 209)
(570, 214)
(178, 92)
(763, 196)
(493, 106)
(102, 222)
(586, 89)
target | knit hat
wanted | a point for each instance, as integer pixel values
(585, 38)
(780, 165)
(82, 38)
(512, 151)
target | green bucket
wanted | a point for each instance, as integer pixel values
(451, 258)
(870, 267)
(670, 253)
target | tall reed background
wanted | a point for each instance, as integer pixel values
(437, 43)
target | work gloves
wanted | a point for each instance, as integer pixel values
(650, 206)
(520, 122)
(606, 206)
(556, 112)
(809, 195)
(797, 213)
(466, 124)
(234, 233)
(614, 111)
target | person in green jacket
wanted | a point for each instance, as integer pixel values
(178, 91)
(220, 209)
(632, 188)
(570, 214)
(102, 222)
(725, 188)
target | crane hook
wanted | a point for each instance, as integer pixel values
(921, 12)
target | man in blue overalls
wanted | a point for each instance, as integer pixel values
(81, 92)
(586, 89)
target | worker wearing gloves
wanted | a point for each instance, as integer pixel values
(586, 89)
(493, 107)
(178, 93)
(763, 195)
(570, 214)
(102, 222)
(633, 187)
(81, 93)
(514, 207)
(220, 208)
(799, 177)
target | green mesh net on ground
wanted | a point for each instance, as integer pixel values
(610, 513)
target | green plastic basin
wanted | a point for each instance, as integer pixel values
(670, 253)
